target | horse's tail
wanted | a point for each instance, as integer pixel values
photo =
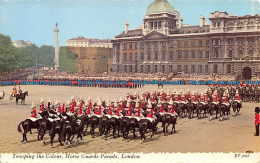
(19, 127)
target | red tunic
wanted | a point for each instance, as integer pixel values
(110, 111)
(171, 110)
(73, 110)
(130, 112)
(80, 110)
(138, 111)
(63, 108)
(99, 111)
(59, 109)
(42, 107)
(257, 119)
(161, 109)
(89, 108)
(238, 98)
(150, 115)
(34, 113)
(118, 110)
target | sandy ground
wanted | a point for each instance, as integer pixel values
(235, 134)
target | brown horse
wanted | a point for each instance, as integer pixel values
(22, 97)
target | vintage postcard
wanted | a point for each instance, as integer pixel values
(129, 80)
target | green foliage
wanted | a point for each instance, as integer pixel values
(67, 61)
(12, 58)
(8, 57)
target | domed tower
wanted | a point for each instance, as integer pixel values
(161, 17)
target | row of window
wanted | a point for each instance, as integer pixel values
(163, 44)
(186, 68)
(156, 56)
(240, 41)
(191, 54)
(189, 43)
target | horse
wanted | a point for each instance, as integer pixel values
(103, 126)
(22, 97)
(236, 107)
(223, 110)
(68, 130)
(115, 124)
(124, 126)
(191, 108)
(160, 84)
(94, 122)
(2, 95)
(132, 125)
(168, 119)
(182, 108)
(27, 125)
(45, 124)
(56, 128)
(145, 124)
(85, 122)
(213, 107)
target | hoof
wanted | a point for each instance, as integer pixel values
(52, 146)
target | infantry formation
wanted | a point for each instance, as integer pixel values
(135, 112)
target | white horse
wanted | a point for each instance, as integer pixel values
(12, 96)
(2, 95)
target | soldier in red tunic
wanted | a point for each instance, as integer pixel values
(257, 122)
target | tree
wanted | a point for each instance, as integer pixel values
(8, 57)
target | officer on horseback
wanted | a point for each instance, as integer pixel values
(14, 92)
(20, 91)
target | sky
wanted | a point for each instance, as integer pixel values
(34, 20)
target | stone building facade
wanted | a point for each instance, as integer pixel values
(93, 59)
(229, 44)
(88, 42)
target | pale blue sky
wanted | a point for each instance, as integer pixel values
(34, 21)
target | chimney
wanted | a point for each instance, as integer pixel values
(180, 21)
(126, 27)
(202, 20)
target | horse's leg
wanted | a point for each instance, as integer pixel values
(30, 131)
(38, 137)
(118, 127)
(60, 139)
(134, 132)
(167, 127)
(52, 137)
(173, 128)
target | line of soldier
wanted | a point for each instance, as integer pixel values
(133, 105)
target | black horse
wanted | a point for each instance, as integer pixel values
(69, 129)
(22, 97)
(56, 129)
(145, 124)
(236, 107)
(27, 125)
(169, 120)
(115, 124)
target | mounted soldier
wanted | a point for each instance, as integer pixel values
(33, 113)
(14, 92)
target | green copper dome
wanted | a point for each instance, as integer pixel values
(160, 6)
